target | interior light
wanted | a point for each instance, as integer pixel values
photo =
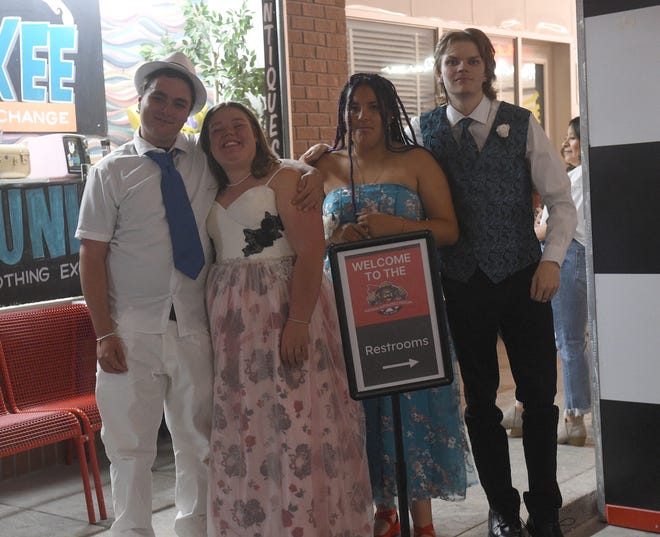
(551, 27)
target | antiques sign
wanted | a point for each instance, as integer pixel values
(273, 113)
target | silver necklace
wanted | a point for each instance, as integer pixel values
(229, 185)
(364, 179)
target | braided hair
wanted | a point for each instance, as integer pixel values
(391, 112)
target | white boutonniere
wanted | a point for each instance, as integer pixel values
(503, 130)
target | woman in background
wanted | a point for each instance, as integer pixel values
(569, 306)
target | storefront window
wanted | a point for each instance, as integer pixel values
(505, 69)
(532, 79)
(402, 54)
(224, 41)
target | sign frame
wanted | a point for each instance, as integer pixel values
(425, 314)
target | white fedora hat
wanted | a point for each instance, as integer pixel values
(179, 62)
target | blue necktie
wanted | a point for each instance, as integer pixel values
(186, 246)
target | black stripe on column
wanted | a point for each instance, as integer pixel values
(603, 7)
(625, 208)
(631, 454)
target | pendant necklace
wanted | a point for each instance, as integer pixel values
(229, 185)
(363, 179)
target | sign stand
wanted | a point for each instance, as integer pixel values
(393, 326)
(401, 470)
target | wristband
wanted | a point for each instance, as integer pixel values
(106, 336)
(306, 323)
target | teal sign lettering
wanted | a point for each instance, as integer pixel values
(39, 255)
(44, 69)
(51, 67)
(39, 223)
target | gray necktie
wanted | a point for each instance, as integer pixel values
(469, 149)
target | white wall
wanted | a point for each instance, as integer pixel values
(554, 20)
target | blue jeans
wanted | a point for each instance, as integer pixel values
(569, 307)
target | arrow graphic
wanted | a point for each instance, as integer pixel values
(410, 363)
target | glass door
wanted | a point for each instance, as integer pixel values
(534, 80)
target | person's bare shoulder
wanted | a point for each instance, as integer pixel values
(417, 153)
(334, 165)
(332, 158)
(285, 173)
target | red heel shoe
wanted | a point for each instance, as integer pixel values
(394, 529)
(424, 530)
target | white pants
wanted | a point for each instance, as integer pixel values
(167, 372)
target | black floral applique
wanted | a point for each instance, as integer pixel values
(258, 239)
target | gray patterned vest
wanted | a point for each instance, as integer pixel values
(492, 196)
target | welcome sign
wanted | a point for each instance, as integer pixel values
(391, 314)
(51, 67)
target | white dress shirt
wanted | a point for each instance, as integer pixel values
(549, 177)
(577, 192)
(122, 205)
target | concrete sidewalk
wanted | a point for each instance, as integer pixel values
(50, 502)
(575, 473)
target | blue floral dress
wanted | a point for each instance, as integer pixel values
(436, 450)
(288, 452)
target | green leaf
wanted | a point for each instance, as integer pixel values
(216, 44)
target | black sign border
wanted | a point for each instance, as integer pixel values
(440, 319)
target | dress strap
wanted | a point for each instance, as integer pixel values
(275, 174)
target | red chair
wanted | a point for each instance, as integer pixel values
(28, 430)
(48, 362)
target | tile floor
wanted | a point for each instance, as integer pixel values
(50, 503)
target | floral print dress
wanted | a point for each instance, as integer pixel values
(438, 459)
(288, 453)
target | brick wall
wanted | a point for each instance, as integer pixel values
(318, 68)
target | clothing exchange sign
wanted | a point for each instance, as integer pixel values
(38, 251)
(51, 67)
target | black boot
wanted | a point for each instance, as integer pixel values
(498, 526)
(543, 529)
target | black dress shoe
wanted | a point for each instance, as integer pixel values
(499, 527)
(543, 529)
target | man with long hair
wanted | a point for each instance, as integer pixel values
(495, 279)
